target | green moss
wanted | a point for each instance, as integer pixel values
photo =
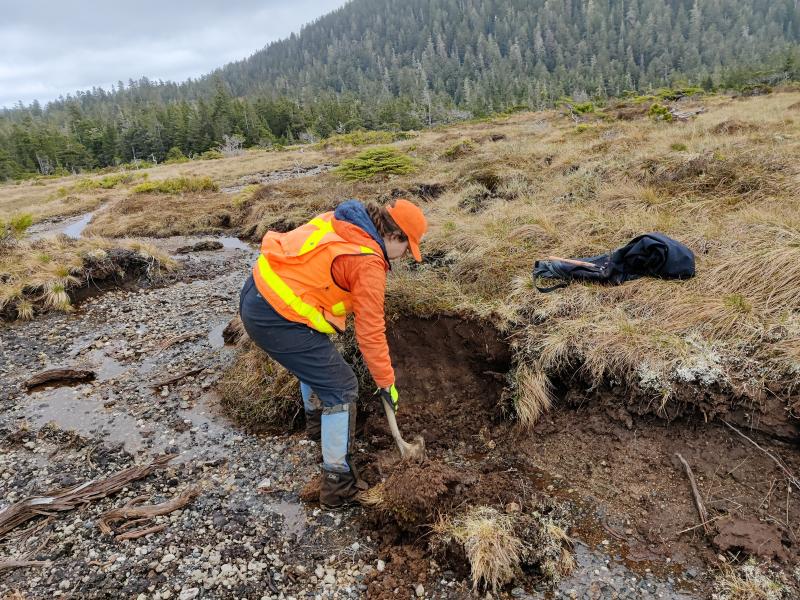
(678, 147)
(364, 138)
(177, 185)
(376, 161)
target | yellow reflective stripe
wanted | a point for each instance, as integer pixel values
(338, 309)
(367, 250)
(323, 228)
(291, 299)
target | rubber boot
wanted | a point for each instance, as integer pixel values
(340, 480)
(338, 489)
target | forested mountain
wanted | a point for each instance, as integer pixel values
(389, 64)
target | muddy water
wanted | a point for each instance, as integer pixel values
(72, 227)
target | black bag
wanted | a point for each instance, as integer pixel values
(649, 255)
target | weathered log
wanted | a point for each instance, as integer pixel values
(64, 375)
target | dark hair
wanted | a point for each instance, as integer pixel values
(384, 222)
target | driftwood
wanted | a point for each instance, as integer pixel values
(21, 564)
(178, 377)
(134, 510)
(59, 375)
(178, 339)
(792, 479)
(66, 499)
(698, 499)
(136, 534)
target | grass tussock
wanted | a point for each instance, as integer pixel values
(750, 581)
(499, 546)
(376, 161)
(149, 215)
(41, 275)
(259, 393)
(534, 395)
(177, 185)
(490, 544)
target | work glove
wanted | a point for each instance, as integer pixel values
(391, 396)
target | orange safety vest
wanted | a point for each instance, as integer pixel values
(293, 273)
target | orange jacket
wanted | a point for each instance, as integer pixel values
(317, 273)
(365, 277)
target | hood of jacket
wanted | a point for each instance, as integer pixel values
(352, 212)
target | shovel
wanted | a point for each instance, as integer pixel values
(414, 451)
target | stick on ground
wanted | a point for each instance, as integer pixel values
(134, 510)
(698, 499)
(20, 564)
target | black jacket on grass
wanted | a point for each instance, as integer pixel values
(649, 255)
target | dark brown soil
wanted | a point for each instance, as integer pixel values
(412, 505)
(615, 468)
(626, 464)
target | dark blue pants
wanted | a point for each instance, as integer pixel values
(315, 361)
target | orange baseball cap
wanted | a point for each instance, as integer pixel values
(410, 219)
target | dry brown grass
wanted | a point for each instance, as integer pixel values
(726, 183)
(157, 215)
(259, 393)
(39, 275)
(489, 541)
(750, 581)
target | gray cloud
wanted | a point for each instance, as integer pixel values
(50, 47)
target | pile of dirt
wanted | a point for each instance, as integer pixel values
(411, 505)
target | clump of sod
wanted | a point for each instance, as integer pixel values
(500, 545)
(40, 275)
(489, 541)
(375, 161)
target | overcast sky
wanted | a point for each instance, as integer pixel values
(54, 47)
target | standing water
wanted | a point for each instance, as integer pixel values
(75, 228)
